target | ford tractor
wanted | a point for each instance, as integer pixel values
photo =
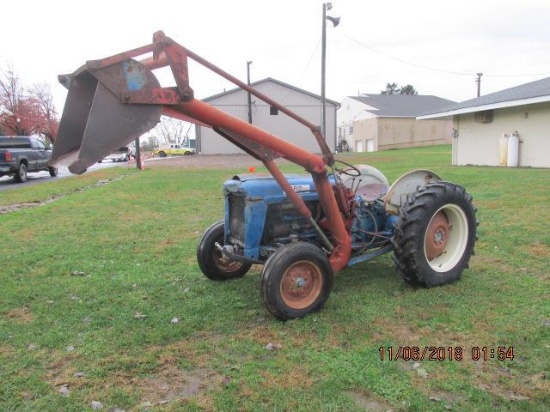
(302, 229)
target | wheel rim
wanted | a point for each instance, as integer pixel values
(224, 264)
(301, 284)
(446, 238)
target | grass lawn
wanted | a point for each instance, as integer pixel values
(103, 305)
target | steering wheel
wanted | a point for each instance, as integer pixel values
(350, 170)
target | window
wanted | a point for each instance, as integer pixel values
(273, 111)
(350, 130)
(38, 145)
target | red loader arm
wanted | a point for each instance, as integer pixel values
(113, 101)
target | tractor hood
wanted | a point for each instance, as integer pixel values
(264, 187)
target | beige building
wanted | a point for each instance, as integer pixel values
(305, 104)
(506, 128)
(369, 123)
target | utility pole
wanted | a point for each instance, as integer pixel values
(335, 21)
(138, 154)
(248, 63)
(478, 81)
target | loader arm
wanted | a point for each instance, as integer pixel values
(112, 101)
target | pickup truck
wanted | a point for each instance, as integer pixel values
(20, 155)
(172, 149)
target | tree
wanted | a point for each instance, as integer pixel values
(47, 124)
(23, 111)
(408, 89)
(391, 88)
(173, 130)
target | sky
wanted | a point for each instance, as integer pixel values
(436, 46)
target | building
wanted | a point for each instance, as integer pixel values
(373, 122)
(510, 127)
(303, 103)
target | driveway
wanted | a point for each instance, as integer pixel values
(8, 183)
(237, 161)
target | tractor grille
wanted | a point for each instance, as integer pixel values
(236, 217)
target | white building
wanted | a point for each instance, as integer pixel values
(235, 102)
(506, 128)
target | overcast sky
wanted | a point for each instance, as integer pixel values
(437, 46)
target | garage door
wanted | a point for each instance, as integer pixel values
(370, 145)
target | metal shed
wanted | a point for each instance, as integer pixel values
(305, 104)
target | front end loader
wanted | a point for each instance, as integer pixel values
(302, 228)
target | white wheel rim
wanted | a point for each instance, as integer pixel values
(457, 239)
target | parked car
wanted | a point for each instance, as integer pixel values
(172, 149)
(20, 155)
(120, 155)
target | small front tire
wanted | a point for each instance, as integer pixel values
(211, 261)
(296, 280)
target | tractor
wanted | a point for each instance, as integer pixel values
(302, 228)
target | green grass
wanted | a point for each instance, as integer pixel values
(92, 278)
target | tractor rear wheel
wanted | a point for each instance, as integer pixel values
(296, 280)
(435, 235)
(214, 265)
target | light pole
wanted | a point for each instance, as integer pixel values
(478, 81)
(335, 21)
(248, 63)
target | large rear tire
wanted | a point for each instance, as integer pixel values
(435, 235)
(213, 264)
(296, 280)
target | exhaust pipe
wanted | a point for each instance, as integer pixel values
(95, 121)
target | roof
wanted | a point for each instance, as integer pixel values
(272, 80)
(528, 93)
(401, 105)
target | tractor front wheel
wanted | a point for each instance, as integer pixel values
(214, 265)
(435, 235)
(296, 280)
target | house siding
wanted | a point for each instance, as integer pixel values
(480, 143)
(398, 133)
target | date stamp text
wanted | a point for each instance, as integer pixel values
(445, 353)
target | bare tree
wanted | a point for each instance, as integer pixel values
(26, 111)
(49, 125)
(173, 130)
(11, 101)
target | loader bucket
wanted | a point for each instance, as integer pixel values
(95, 122)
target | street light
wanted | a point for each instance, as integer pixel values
(335, 21)
(248, 63)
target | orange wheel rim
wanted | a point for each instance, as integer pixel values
(437, 235)
(301, 284)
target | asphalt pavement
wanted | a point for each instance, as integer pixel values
(8, 183)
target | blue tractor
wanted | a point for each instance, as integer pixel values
(427, 223)
(302, 229)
